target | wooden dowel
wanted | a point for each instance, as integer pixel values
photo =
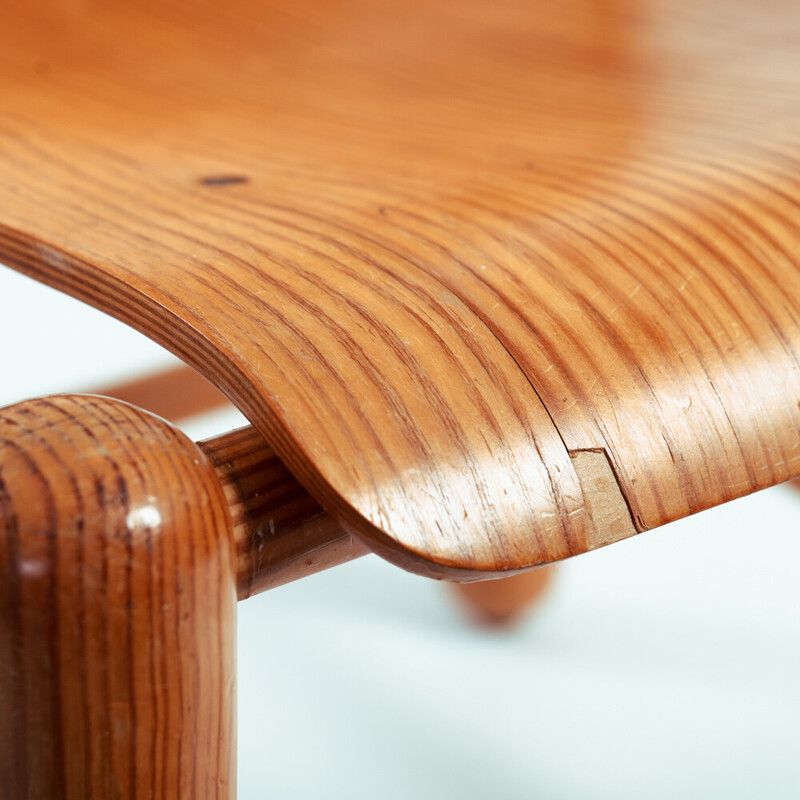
(281, 532)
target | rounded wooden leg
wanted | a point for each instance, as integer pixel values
(117, 608)
(503, 601)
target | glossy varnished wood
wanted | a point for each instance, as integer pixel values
(481, 273)
(117, 608)
(281, 532)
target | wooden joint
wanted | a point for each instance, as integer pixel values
(281, 532)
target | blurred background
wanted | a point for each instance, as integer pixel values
(664, 666)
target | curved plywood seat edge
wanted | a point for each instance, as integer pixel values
(596, 509)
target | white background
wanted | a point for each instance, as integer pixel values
(666, 666)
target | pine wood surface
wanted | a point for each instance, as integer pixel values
(485, 275)
(281, 533)
(117, 608)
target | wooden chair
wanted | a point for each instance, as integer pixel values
(495, 283)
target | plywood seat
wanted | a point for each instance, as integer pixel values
(496, 283)
(499, 282)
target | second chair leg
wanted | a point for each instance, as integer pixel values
(117, 608)
(504, 601)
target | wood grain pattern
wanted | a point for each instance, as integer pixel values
(281, 532)
(117, 608)
(434, 250)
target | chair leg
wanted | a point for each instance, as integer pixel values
(117, 608)
(503, 602)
